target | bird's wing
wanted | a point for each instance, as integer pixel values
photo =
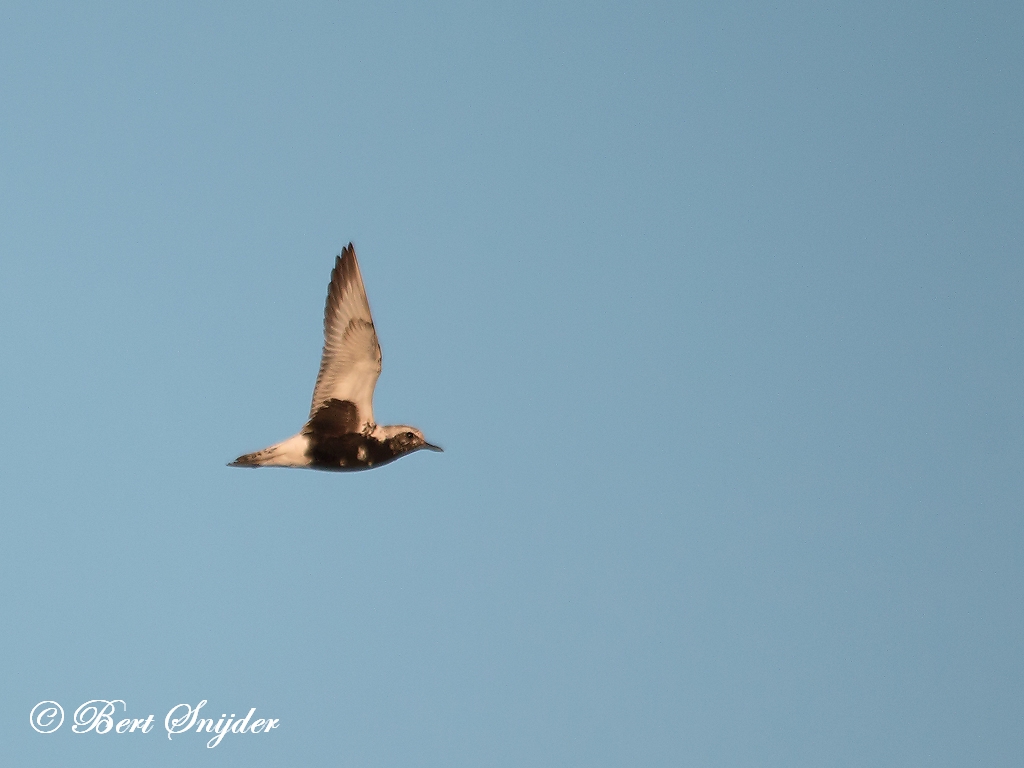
(351, 361)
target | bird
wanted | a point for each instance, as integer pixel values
(341, 434)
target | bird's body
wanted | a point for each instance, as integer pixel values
(341, 434)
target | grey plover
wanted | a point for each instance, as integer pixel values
(341, 434)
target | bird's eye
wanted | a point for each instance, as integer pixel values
(408, 435)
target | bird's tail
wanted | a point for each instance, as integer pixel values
(288, 453)
(257, 459)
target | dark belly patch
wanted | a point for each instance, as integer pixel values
(347, 452)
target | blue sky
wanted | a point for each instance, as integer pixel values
(715, 309)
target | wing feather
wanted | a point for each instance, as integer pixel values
(351, 359)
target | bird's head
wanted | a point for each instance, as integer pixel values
(405, 439)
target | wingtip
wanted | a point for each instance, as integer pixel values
(344, 259)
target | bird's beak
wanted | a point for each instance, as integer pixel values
(437, 448)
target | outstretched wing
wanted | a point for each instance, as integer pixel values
(351, 361)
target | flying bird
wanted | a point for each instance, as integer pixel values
(341, 433)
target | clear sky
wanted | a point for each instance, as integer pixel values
(716, 310)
